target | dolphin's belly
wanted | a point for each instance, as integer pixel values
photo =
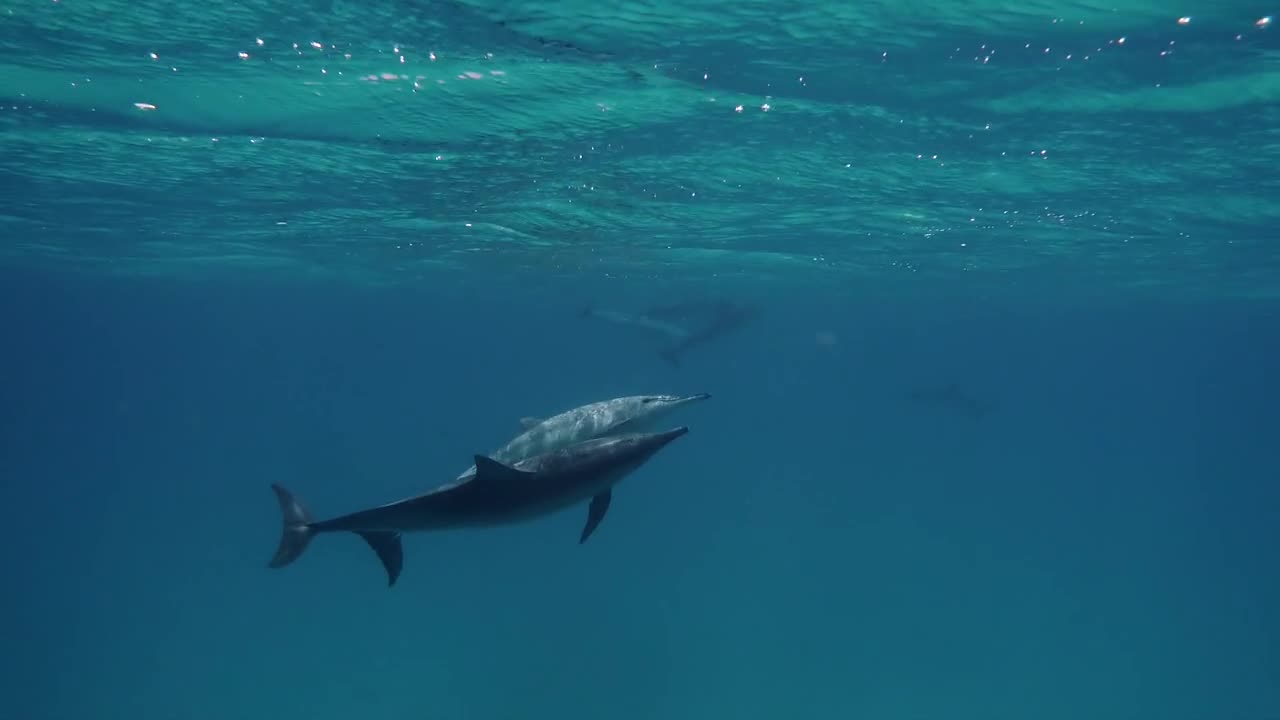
(425, 517)
(540, 497)
(505, 515)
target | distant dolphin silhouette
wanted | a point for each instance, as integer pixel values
(953, 398)
(643, 321)
(725, 318)
(681, 326)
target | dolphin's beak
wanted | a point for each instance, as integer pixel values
(665, 437)
(694, 398)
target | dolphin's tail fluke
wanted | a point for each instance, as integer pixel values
(297, 531)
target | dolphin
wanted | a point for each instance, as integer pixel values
(644, 321)
(681, 326)
(725, 318)
(497, 494)
(952, 397)
(632, 414)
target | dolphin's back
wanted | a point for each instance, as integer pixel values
(558, 431)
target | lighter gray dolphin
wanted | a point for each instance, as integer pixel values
(496, 494)
(631, 414)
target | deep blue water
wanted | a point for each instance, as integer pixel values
(1101, 544)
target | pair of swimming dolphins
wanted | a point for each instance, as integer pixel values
(554, 463)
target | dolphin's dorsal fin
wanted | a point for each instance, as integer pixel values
(528, 422)
(490, 472)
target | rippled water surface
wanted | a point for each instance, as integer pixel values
(1088, 145)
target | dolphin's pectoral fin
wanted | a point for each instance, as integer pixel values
(595, 513)
(529, 422)
(386, 545)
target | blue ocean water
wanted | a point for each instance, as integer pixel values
(1100, 543)
(999, 443)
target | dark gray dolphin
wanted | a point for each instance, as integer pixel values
(496, 494)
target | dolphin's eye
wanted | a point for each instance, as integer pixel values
(646, 401)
